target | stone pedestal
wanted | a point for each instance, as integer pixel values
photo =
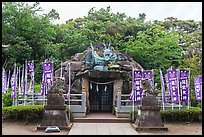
(55, 113)
(149, 117)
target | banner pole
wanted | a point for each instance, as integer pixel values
(153, 78)
(8, 80)
(22, 81)
(161, 78)
(33, 83)
(45, 91)
(24, 87)
(164, 96)
(19, 84)
(44, 85)
(170, 86)
(52, 73)
(69, 88)
(172, 106)
(189, 90)
(44, 96)
(201, 96)
(16, 81)
(15, 93)
(133, 101)
(26, 80)
(133, 107)
(162, 93)
(61, 71)
(179, 96)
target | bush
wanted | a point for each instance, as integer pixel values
(199, 105)
(6, 98)
(193, 114)
(26, 113)
(37, 88)
(188, 115)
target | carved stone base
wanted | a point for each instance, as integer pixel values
(149, 117)
(55, 113)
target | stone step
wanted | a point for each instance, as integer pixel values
(100, 120)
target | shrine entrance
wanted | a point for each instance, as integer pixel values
(100, 80)
(101, 94)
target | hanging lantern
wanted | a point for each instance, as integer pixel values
(97, 87)
(90, 85)
(105, 88)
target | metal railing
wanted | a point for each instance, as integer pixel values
(38, 99)
(124, 104)
(30, 99)
(77, 104)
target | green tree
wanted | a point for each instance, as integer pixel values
(155, 48)
(27, 33)
(190, 39)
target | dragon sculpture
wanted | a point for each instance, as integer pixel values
(100, 62)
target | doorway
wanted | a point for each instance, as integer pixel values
(101, 95)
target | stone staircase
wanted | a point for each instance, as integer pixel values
(101, 118)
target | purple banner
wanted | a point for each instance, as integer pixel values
(198, 87)
(149, 75)
(8, 79)
(47, 69)
(17, 71)
(167, 84)
(25, 79)
(47, 79)
(136, 93)
(162, 87)
(172, 77)
(3, 81)
(133, 86)
(30, 66)
(13, 84)
(184, 86)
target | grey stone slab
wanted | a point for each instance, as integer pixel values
(102, 129)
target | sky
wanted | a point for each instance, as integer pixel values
(153, 10)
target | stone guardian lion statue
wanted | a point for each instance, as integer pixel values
(147, 88)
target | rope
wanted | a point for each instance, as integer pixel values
(101, 83)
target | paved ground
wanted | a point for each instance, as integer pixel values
(102, 129)
(19, 128)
